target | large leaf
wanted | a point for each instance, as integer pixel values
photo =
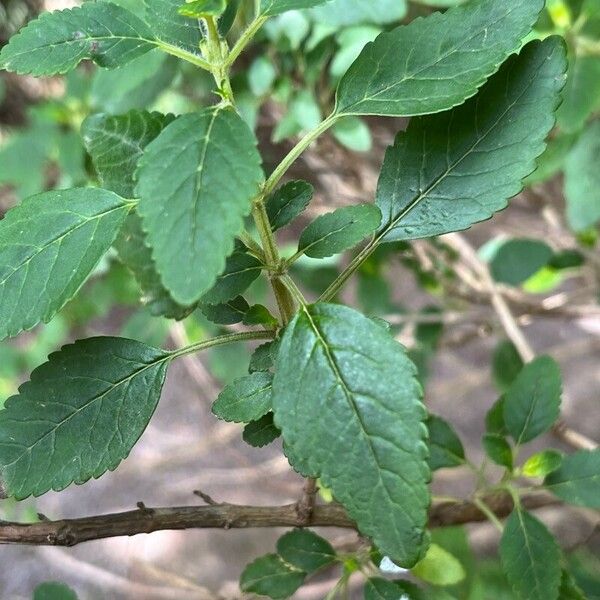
(58, 41)
(49, 244)
(532, 402)
(451, 170)
(349, 407)
(530, 557)
(196, 182)
(79, 415)
(270, 8)
(577, 480)
(435, 63)
(582, 180)
(116, 144)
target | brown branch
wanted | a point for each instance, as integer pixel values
(69, 532)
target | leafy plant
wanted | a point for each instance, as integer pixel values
(191, 209)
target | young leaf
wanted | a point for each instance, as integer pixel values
(404, 73)
(258, 314)
(542, 463)
(532, 403)
(530, 557)
(263, 357)
(79, 415)
(577, 480)
(305, 550)
(582, 180)
(270, 8)
(287, 202)
(246, 399)
(49, 244)
(116, 144)
(337, 231)
(262, 432)
(445, 447)
(226, 313)
(204, 169)
(271, 576)
(498, 449)
(449, 171)
(344, 387)
(439, 567)
(58, 41)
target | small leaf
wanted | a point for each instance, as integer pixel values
(270, 576)
(506, 364)
(582, 180)
(353, 133)
(58, 41)
(378, 588)
(305, 550)
(445, 447)
(471, 41)
(52, 590)
(263, 357)
(262, 432)
(439, 567)
(337, 231)
(227, 313)
(518, 259)
(530, 557)
(49, 244)
(258, 314)
(577, 480)
(79, 415)
(196, 9)
(241, 269)
(532, 403)
(205, 188)
(343, 387)
(171, 27)
(498, 449)
(270, 8)
(494, 418)
(246, 399)
(286, 203)
(542, 463)
(451, 170)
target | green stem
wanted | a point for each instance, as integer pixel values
(184, 55)
(296, 151)
(243, 41)
(250, 243)
(263, 226)
(222, 340)
(487, 511)
(290, 284)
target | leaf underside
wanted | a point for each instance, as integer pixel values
(344, 388)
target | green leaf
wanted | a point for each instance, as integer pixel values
(439, 567)
(582, 180)
(498, 449)
(552, 160)
(353, 133)
(171, 27)
(79, 415)
(204, 170)
(569, 590)
(577, 480)
(530, 557)
(532, 403)
(258, 314)
(270, 576)
(116, 144)
(246, 399)
(445, 447)
(270, 8)
(337, 231)
(377, 588)
(226, 313)
(449, 171)
(402, 73)
(49, 244)
(305, 550)
(494, 418)
(263, 357)
(343, 13)
(286, 203)
(518, 259)
(580, 97)
(58, 41)
(506, 364)
(262, 432)
(202, 8)
(53, 590)
(343, 387)
(542, 463)
(241, 269)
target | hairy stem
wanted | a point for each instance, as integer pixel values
(243, 41)
(222, 340)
